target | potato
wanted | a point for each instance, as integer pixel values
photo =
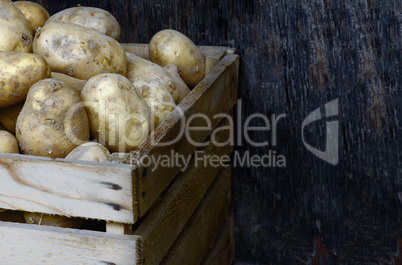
(53, 121)
(78, 51)
(18, 72)
(75, 83)
(158, 98)
(172, 47)
(140, 69)
(118, 115)
(182, 88)
(9, 116)
(90, 17)
(53, 220)
(89, 152)
(36, 14)
(8, 143)
(15, 31)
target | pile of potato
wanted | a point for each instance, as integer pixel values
(69, 90)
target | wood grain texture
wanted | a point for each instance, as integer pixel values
(164, 223)
(32, 244)
(78, 189)
(222, 252)
(203, 227)
(295, 56)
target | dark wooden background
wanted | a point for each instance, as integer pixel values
(295, 57)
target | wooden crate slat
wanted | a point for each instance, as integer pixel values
(222, 252)
(142, 50)
(33, 244)
(216, 94)
(204, 225)
(79, 189)
(139, 49)
(164, 223)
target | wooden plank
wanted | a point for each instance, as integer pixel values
(204, 225)
(215, 94)
(139, 49)
(167, 219)
(142, 50)
(213, 56)
(71, 188)
(33, 244)
(222, 252)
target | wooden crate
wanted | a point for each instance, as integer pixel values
(150, 215)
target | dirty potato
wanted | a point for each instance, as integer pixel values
(90, 17)
(172, 47)
(182, 88)
(8, 143)
(18, 72)
(53, 121)
(157, 97)
(89, 152)
(75, 83)
(9, 116)
(140, 69)
(36, 14)
(78, 51)
(15, 31)
(118, 115)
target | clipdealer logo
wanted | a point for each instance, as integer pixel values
(331, 152)
(243, 135)
(262, 125)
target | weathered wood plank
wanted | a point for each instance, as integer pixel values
(33, 244)
(139, 49)
(165, 222)
(222, 252)
(79, 189)
(142, 50)
(203, 227)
